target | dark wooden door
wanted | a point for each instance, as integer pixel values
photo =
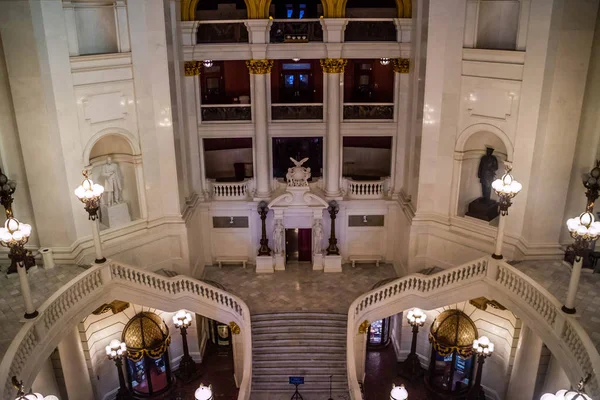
(305, 245)
(297, 84)
(291, 245)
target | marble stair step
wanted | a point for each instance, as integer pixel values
(300, 322)
(307, 344)
(283, 336)
(297, 329)
(301, 315)
(299, 364)
(300, 370)
(292, 351)
(300, 357)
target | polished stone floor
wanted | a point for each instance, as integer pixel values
(299, 288)
(43, 284)
(555, 276)
(382, 371)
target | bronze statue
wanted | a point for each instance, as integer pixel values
(488, 165)
(484, 207)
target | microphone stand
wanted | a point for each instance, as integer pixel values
(330, 396)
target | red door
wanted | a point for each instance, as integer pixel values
(305, 245)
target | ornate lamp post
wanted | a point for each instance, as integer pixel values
(204, 393)
(592, 183)
(90, 193)
(187, 367)
(398, 393)
(564, 394)
(333, 209)
(116, 351)
(585, 230)
(483, 348)
(506, 188)
(411, 367)
(263, 210)
(21, 395)
(7, 188)
(15, 235)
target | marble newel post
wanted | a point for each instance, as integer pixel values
(525, 367)
(334, 69)
(317, 240)
(279, 240)
(260, 72)
(72, 360)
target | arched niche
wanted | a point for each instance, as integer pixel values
(121, 149)
(467, 164)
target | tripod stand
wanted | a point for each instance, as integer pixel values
(296, 395)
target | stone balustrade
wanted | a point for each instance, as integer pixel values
(105, 282)
(564, 335)
(231, 190)
(360, 190)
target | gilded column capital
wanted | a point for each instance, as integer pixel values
(333, 65)
(259, 67)
(192, 68)
(401, 65)
(364, 327)
(235, 329)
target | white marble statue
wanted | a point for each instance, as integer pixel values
(298, 175)
(113, 182)
(278, 237)
(317, 235)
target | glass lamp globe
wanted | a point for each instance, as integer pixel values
(416, 316)
(115, 348)
(565, 395)
(204, 393)
(14, 232)
(507, 185)
(182, 318)
(88, 189)
(384, 61)
(585, 226)
(208, 63)
(483, 346)
(398, 393)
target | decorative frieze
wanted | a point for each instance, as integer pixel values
(192, 68)
(333, 65)
(259, 67)
(401, 65)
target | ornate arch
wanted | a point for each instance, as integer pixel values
(257, 9)
(473, 129)
(125, 134)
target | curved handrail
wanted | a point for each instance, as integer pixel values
(72, 298)
(573, 340)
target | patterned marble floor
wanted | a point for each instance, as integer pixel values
(43, 284)
(555, 276)
(299, 288)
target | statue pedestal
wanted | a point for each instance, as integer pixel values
(279, 262)
(264, 265)
(115, 215)
(483, 209)
(332, 264)
(317, 262)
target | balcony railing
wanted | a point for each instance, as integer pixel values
(291, 112)
(296, 31)
(222, 31)
(376, 189)
(371, 30)
(231, 190)
(226, 112)
(375, 111)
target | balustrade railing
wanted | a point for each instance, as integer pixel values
(221, 31)
(296, 31)
(367, 111)
(231, 190)
(370, 30)
(567, 333)
(290, 112)
(225, 112)
(33, 343)
(365, 189)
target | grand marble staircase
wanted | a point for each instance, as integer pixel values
(312, 345)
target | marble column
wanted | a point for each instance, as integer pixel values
(556, 378)
(45, 381)
(260, 72)
(402, 106)
(334, 69)
(524, 373)
(191, 87)
(72, 359)
(317, 240)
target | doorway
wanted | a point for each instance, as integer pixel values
(297, 83)
(298, 245)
